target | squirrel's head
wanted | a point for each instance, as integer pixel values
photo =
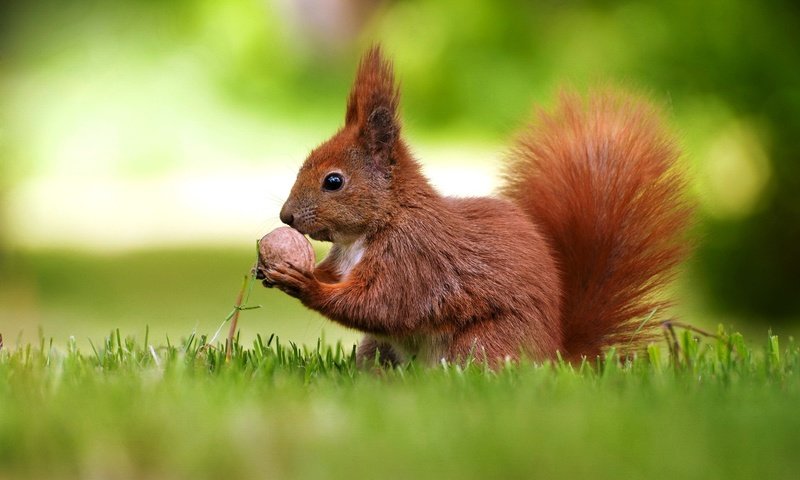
(344, 188)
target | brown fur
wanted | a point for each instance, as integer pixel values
(599, 178)
(567, 260)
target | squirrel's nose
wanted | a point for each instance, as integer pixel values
(286, 216)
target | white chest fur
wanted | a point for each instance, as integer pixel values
(348, 255)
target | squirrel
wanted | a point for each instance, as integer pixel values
(566, 261)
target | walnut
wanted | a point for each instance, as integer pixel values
(285, 245)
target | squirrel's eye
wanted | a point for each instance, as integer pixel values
(333, 181)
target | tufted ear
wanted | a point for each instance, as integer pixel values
(372, 105)
(379, 135)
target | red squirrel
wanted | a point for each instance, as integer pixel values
(567, 260)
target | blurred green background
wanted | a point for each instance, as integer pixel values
(145, 145)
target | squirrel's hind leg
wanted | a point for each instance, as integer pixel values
(502, 339)
(371, 348)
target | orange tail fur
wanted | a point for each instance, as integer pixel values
(599, 177)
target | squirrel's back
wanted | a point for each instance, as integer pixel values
(599, 178)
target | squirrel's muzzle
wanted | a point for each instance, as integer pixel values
(286, 215)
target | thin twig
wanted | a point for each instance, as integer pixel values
(686, 326)
(674, 346)
(234, 321)
(672, 338)
(244, 294)
(668, 340)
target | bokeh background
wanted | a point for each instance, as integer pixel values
(145, 145)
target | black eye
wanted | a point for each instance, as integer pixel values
(333, 181)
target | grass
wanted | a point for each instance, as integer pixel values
(128, 408)
(164, 404)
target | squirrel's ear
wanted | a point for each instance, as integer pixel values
(372, 105)
(379, 135)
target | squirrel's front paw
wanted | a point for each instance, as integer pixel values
(287, 278)
(260, 271)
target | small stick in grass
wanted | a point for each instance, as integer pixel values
(670, 323)
(672, 338)
(238, 307)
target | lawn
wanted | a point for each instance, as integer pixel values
(141, 407)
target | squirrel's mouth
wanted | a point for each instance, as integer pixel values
(322, 235)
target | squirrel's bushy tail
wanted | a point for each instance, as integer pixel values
(599, 177)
